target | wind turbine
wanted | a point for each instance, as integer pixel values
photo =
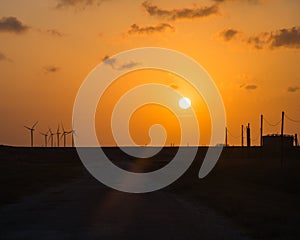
(57, 135)
(31, 132)
(51, 137)
(46, 136)
(73, 133)
(64, 134)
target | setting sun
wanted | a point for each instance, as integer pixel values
(184, 103)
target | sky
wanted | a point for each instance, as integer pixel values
(250, 48)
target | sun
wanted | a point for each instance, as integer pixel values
(184, 103)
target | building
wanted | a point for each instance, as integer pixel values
(275, 141)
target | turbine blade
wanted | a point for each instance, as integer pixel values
(35, 124)
(27, 127)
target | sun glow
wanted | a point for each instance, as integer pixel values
(184, 103)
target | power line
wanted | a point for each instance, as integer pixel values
(257, 136)
(255, 139)
(291, 119)
(232, 134)
(273, 125)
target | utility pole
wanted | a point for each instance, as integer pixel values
(261, 129)
(282, 148)
(73, 144)
(242, 135)
(226, 138)
(31, 137)
(296, 140)
(282, 123)
(248, 136)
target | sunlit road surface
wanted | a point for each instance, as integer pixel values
(86, 209)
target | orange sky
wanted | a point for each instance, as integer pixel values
(47, 48)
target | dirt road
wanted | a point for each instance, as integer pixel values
(86, 209)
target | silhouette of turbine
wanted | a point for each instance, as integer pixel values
(57, 135)
(46, 136)
(51, 137)
(73, 133)
(64, 134)
(31, 132)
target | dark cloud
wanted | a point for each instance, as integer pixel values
(12, 24)
(119, 66)
(51, 69)
(55, 33)
(250, 1)
(108, 60)
(292, 89)
(162, 27)
(250, 87)
(282, 38)
(127, 65)
(77, 3)
(180, 13)
(228, 34)
(3, 57)
(286, 37)
(174, 86)
(259, 42)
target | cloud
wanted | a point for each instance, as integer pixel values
(12, 24)
(285, 37)
(259, 41)
(180, 13)
(108, 60)
(51, 69)
(161, 27)
(174, 86)
(282, 38)
(229, 34)
(250, 1)
(293, 89)
(250, 87)
(77, 3)
(4, 58)
(119, 66)
(55, 33)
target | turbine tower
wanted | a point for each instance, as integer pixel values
(73, 133)
(57, 135)
(45, 136)
(51, 137)
(64, 134)
(31, 132)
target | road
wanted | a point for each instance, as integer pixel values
(86, 209)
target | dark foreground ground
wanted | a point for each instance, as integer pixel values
(250, 194)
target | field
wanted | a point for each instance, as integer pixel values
(255, 190)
